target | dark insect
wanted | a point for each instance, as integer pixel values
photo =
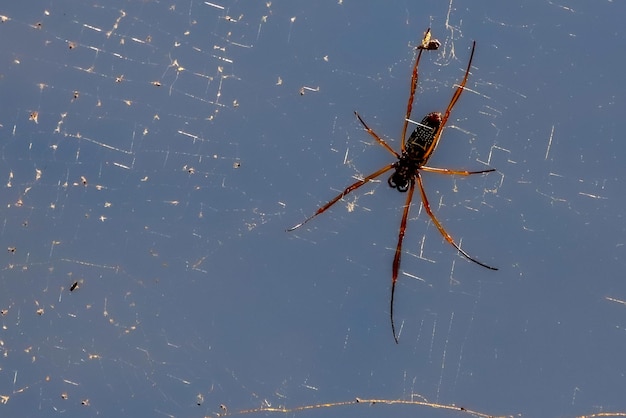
(414, 154)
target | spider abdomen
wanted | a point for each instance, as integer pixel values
(420, 144)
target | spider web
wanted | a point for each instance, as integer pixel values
(154, 153)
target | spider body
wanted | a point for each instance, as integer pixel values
(419, 147)
(410, 162)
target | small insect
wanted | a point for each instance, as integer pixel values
(428, 43)
(412, 159)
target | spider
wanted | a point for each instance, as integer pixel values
(412, 159)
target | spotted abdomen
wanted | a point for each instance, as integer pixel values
(420, 144)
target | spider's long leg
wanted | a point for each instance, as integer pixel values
(454, 172)
(376, 137)
(396, 258)
(409, 106)
(347, 190)
(455, 98)
(440, 227)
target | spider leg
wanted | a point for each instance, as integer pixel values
(376, 137)
(409, 106)
(459, 89)
(396, 258)
(347, 190)
(440, 227)
(455, 98)
(454, 172)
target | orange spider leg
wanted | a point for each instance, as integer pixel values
(441, 228)
(376, 137)
(454, 172)
(396, 258)
(347, 190)
(409, 106)
(446, 115)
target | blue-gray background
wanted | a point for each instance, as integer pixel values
(155, 152)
